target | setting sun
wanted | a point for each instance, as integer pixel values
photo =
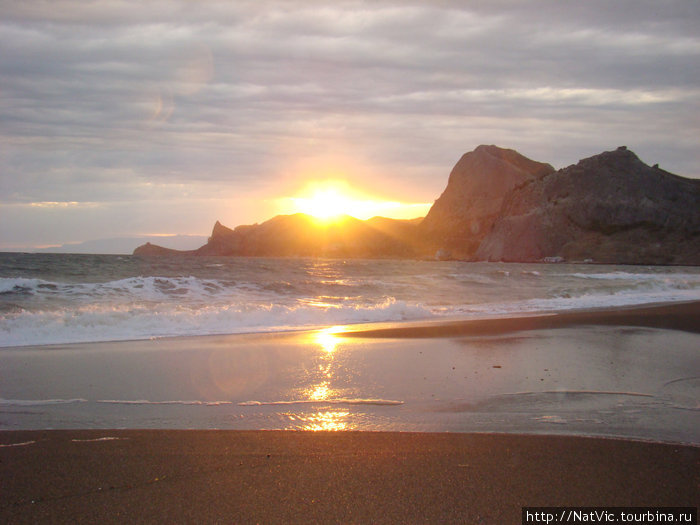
(326, 203)
(326, 200)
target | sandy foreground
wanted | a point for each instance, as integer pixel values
(626, 372)
(132, 476)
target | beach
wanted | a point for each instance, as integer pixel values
(444, 422)
(147, 476)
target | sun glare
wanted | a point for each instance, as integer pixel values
(326, 204)
(330, 199)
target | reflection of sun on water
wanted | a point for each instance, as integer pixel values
(321, 389)
(327, 339)
(328, 420)
(319, 392)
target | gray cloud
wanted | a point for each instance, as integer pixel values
(98, 101)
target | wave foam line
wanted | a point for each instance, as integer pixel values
(147, 402)
(579, 392)
(337, 401)
(39, 402)
(106, 438)
(23, 444)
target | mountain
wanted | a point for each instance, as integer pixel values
(501, 206)
(301, 235)
(466, 211)
(607, 208)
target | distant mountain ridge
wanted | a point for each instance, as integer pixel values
(124, 245)
(501, 206)
(301, 235)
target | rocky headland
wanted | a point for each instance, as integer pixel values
(501, 206)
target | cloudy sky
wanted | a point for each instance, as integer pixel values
(124, 118)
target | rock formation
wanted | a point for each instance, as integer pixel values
(607, 208)
(501, 206)
(150, 250)
(466, 211)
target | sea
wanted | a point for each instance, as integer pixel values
(69, 298)
(64, 362)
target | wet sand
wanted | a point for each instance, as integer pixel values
(631, 373)
(250, 476)
(132, 476)
(683, 316)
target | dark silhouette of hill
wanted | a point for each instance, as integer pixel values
(301, 235)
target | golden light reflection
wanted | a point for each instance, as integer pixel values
(327, 339)
(328, 420)
(320, 387)
(320, 392)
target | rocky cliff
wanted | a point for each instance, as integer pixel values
(607, 208)
(470, 205)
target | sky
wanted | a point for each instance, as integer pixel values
(127, 118)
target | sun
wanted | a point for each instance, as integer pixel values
(327, 200)
(326, 203)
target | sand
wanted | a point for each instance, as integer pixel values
(595, 373)
(132, 476)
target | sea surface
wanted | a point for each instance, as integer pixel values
(289, 368)
(64, 298)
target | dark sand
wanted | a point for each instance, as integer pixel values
(319, 477)
(683, 316)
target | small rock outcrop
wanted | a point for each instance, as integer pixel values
(470, 205)
(609, 208)
(153, 250)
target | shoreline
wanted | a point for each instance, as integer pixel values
(612, 373)
(112, 476)
(674, 315)
(681, 315)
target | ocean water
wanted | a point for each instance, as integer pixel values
(292, 370)
(61, 298)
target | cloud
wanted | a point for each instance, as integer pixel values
(100, 100)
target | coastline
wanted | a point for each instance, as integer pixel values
(139, 476)
(624, 373)
(680, 315)
(672, 315)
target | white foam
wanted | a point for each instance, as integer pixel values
(628, 276)
(106, 438)
(40, 402)
(174, 402)
(39, 312)
(557, 420)
(337, 401)
(105, 322)
(23, 444)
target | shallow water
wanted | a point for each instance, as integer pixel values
(640, 383)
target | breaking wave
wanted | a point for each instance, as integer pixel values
(104, 299)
